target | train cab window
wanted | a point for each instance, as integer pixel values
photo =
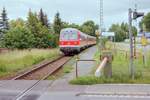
(73, 36)
(68, 35)
(64, 36)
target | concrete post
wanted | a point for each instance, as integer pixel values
(108, 66)
(132, 70)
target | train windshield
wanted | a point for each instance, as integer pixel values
(68, 36)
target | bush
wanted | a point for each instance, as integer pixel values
(18, 37)
(53, 40)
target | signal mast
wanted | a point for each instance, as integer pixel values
(101, 16)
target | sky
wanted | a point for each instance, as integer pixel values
(76, 11)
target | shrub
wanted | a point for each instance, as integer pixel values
(18, 37)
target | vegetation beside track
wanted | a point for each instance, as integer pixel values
(16, 60)
(120, 70)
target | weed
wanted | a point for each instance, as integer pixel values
(121, 73)
(20, 59)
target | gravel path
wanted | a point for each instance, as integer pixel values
(84, 68)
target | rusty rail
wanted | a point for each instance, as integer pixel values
(26, 91)
(28, 74)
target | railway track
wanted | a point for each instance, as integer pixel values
(40, 73)
(51, 68)
(43, 71)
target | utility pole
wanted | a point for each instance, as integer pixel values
(101, 16)
(134, 35)
(131, 44)
(100, 23)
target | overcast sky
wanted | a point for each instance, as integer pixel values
(75, 11)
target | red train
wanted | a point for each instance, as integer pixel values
(72, 41)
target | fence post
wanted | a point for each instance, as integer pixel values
(77, 58)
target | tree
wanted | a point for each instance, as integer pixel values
(120, 34)
(18, 37)
(29, 34)
(39, 31)
(146, 22)
(57, 26)
(33, 22)
(4, 20)
(121, 31)
(65, 25)
(89, 27)
(125, 28)
(46, 21)
(3, 23)
(43, 18)
(17, 23)
(73, 25)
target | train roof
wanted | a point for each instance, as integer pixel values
(71, 29)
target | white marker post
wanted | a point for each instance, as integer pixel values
(144, 44)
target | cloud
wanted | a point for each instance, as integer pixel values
(77, 11)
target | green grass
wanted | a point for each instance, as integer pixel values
(120, 69)
(67, 69)
(16, 60)
(117, 79)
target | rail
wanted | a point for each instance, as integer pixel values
(26, 91)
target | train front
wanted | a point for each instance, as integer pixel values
(69, 42)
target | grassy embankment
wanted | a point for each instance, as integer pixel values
(17, 60)
(120, 69)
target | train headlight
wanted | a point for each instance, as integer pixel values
(75, 43)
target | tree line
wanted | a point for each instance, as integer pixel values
(121, 30)
(38, 32)
(145, 23)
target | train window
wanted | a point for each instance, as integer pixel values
(73, 36)
(64, 36)
(69, 36)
